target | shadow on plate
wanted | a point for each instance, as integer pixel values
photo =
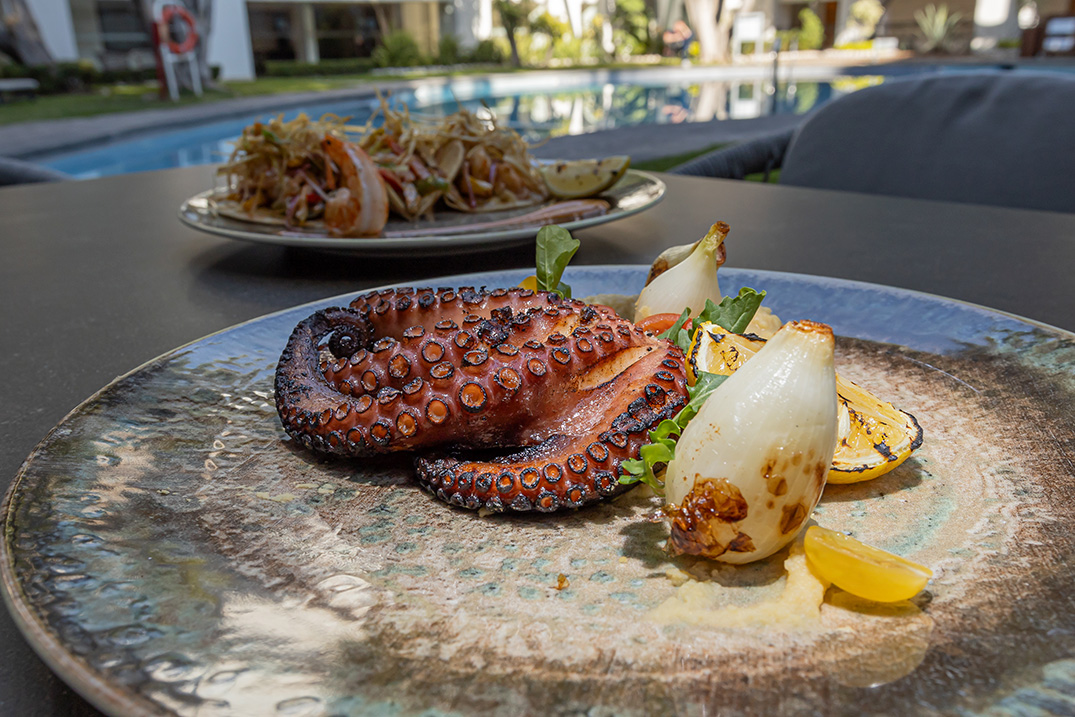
(908, 475)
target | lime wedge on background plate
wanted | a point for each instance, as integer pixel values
(572, 179)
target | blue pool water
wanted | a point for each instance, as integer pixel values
(537, 112)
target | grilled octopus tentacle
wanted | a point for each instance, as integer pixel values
(573, 386)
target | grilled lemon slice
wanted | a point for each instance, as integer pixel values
(714, 349)
(574, 179)
(861, 569)
(873, 436)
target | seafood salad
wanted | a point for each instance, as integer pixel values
(472, 164)
(305, 172)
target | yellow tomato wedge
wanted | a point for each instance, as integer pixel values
(861, 569)
(873, 436)
(529, 282)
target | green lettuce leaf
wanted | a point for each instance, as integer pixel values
(661, 449)
(733, 313)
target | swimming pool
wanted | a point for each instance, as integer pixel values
(537, 104)
(544, 106)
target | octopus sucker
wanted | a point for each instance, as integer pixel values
(562, 390)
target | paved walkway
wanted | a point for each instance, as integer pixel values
(33, 139)
(29, 139)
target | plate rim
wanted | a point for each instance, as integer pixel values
(77, 674)
(432, 242)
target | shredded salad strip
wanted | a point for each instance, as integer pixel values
(461, 161)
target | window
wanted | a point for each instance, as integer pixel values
(121, 26)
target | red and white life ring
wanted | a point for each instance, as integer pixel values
(170, 12)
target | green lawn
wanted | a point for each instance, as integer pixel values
(663, 164)
(117, 98)
(130, 98)
(280, 85)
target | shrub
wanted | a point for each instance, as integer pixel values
(532, 48)
(632, 20)
(486, 52)
(547, 24)
(398, 50)
(342, 66)
(74, 76)
(787, 39)
(935, 26)
(449, 52)
(812, 34)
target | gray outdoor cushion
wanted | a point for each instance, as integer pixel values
(17, 171)
(1001, 138)
(760, 154)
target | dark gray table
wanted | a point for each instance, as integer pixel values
(98, 277)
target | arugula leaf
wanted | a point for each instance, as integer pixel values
(655, 455)
(676, 331)
(555, 247)
(733, 312)
(683, 340)
(705, 383)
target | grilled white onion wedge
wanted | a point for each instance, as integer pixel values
(873, 436)
(750, 467)
(690, 282)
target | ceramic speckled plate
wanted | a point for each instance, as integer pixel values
(167, 551)
(448, 231)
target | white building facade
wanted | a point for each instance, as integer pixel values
(244, 33)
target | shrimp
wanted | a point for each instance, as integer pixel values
(359, 206)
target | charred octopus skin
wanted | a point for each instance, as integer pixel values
(562, 390)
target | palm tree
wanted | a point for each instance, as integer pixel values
(513, 16)
(935, 26)
(19, 36)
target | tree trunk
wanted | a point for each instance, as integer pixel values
(383, 24)
(608, 45)
(516, 61)
(19, 36)
(703, 20)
